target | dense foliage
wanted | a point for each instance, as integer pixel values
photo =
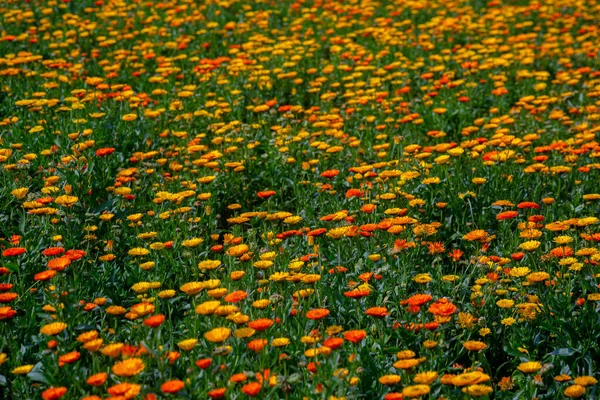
(310, 199)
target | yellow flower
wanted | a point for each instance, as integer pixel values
(207, 308)
(217, 335)
(530, 245)
(280, 342)
(426, 378)
(389, 380)
(209, 264)
(586, 380)
(166, 294)
(474, 345)
(574, 391)
(538, 277)
(505, 303)
(20, 193)
(129, 367)
(422, 278)
(22, 370)
(112, 350)
(192, 288)
(187, 344)
(129, 117)
(192, 242)
(415, 391)
(529, 367)
(236, 251)
(66, 200)
(478, 390)
(138, 251)
(53, 329)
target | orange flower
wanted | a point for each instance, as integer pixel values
(59, 264)
(7, 313)
(266, 194)
(204, 363)
(251, 389)
(442, 307)
(154, 321)
(261, 324)
(236, 378)
(44, 275)
(257, 344)
(330, 173)
(355, 336)
(333, 343)
(129, 367)
(97, 379)
(217, 393)
(127, 390)
(236, 296)
(54, 393)
(378, 312)
(506, 215)
(417, 300)
(68, 358)
(14, 251)
(317, 313)
(172, 386)
(105, 151)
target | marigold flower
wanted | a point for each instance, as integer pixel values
(129, 367)
(529, 367)
(54, 393)
(217, 335)
(574, 391)
(415, 391)
(251, 389)
(14, 251)
(97, 379)
(53, 328)
(172, 386)
(355, 336)
(317, 313)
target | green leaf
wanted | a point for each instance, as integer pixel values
(38, 377)
(564, 352)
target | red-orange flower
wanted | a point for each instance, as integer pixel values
(506, 215)
(154, 321)
(172, 386)
(261, 324)
(60, 263)
(54, 393)
(103, 152)
(355, 336)
(97, 379)
(378, 312)
(333, 342)
(317, 313)
(330, 173)
(53, 251)
(68, 358)
(257, 344)
(204, 363)
(251, 389)
(266, 194)
(417, 300)
(442, 307)
(14, 251)
(7, 313)
(217, 393)
(236, 296)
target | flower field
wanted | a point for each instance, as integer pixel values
(299, 200)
